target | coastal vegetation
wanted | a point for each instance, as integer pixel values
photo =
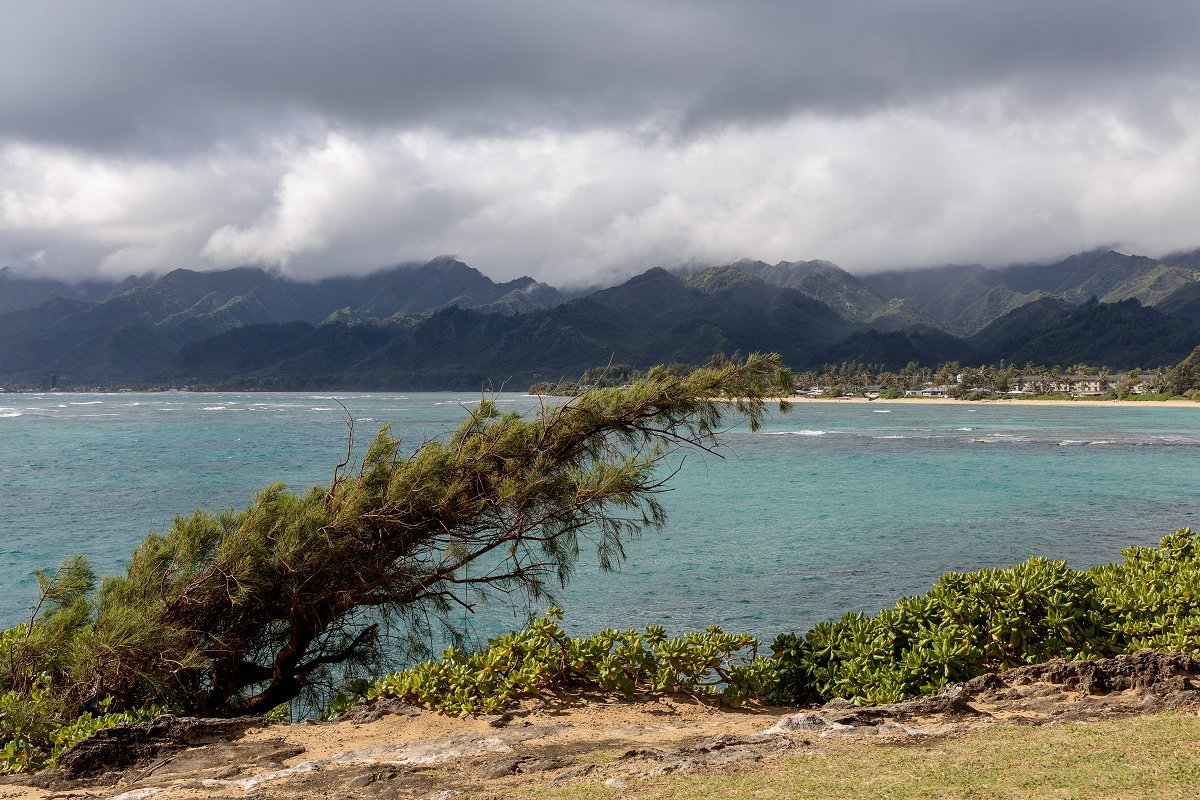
(310, 599)
(720, 666)
(966, 625)
(950, 379)
(1031, 381)
(242, 611)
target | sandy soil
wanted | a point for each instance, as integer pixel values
(391, 750)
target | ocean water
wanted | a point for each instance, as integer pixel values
(829, 508)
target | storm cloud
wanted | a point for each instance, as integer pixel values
(575, 141)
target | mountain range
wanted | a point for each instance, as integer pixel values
(445, 325)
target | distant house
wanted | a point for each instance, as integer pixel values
(1143, 383)
(929, 390)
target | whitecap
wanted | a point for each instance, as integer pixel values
(319, 408)
(964, 429)
(881, 411)
(215, 408)
(1069, 442)
(891, 437)
(796, 433)
(1103, 441)
(86, 403)
(11, 414)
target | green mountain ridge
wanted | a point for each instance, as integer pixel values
(444, 325)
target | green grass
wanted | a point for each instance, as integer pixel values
(1154, 756)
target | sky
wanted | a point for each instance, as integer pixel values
(579, 141)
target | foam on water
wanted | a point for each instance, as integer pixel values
(794, 433)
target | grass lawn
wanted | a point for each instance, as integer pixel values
(1145, 757)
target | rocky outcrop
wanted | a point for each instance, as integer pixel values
(118, 749)
(389, 749)
(1159, 673)
(1056, 691)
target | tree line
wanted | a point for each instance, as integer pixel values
(849, 378)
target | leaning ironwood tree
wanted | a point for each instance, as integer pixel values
(240, 612)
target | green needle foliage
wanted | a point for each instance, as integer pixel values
(239, 612)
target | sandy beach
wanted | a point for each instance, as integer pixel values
(1003, 401)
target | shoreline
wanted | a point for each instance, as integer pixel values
(797, 399)
(802, 399)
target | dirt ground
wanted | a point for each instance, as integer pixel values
(391, 750)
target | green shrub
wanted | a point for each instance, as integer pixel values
(34, 732)
(967, 624)
(971, 623)
(711, 664)
(1153, 596)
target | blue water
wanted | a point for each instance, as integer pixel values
(830, 508)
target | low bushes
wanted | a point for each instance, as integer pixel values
(1153, 596)
(711, 663)
(48, 700)
(971, 623)
(967, 624)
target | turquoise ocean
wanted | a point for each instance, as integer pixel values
(830, 508)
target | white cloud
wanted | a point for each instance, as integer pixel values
(570, 140)
(961, 181)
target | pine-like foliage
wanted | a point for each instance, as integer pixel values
(241, 611)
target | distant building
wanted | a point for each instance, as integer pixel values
(929, 390)
(1032, 384)
(1087, 385)
(1143, 383)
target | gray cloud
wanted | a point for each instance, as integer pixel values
(167, 74)
(568, 139)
